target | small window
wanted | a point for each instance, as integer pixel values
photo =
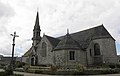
(72, 55)
(96, 49)
(90, 52)
(38, 34)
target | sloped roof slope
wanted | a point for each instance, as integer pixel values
(67, 43)
(84, 37)
(53, 41)
(28, 52)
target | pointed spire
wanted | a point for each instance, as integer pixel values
(37, 19)
(36, 31)
(67, 31)
(37, 26)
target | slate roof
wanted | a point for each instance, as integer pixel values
(84, 37)
(53, 41)
(67, 43)
(28, 52)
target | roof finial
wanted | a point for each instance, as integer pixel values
(43, 33)
(37, 9)
(67, 31)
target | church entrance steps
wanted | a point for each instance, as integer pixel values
(40, 67)
(34, 69)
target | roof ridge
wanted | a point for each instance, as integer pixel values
(51, 37)
(84, 30)
(89, 28)
(52, 40)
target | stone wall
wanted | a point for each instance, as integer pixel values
(59, 58)
(90, 58)
(107, 50)
(62, 58)
(48, 59)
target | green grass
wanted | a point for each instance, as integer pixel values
(5, 74)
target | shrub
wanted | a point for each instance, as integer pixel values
(2, 65)
(112, 66)
(6, 74)
(80, 67)
(2, 73)
(104, 65)
(97, 72)
(8, 70)
(19, 64)
(118, 65)
(109, 71)
(17, 75)
(26, 67)
(54, 68)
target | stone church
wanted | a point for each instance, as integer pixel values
(87, 47)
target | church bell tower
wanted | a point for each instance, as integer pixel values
(36, 31)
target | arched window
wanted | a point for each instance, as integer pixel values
(32, 61)
(36, 60)
(90, 52)
(44, 49)
(96, 49)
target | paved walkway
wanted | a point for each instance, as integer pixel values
(30, 74)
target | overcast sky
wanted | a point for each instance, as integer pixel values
(55, 17)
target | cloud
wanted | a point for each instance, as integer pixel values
(6, 10)
(57, 15)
